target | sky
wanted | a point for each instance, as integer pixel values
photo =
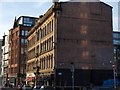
(9, 9)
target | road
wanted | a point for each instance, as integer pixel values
(7, 88)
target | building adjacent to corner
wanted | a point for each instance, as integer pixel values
(71, 45)
(18, 48)
(5, 52)
(0, 61)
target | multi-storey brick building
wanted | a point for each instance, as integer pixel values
(71, 45)
(18, 48)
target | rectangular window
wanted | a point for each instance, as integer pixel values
(22, 41)
(22, 33)
(22, 51)
(115, 35)
(26, 33)
(37, 35)
(25, 41)
(28, 21)
(116, 41)
(52, 26)
(41, 47)
(17, 33)
(37, 49)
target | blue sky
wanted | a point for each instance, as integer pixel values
(11, 8)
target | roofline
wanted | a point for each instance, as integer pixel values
(106, 4)
(26, 16)
(40, 20)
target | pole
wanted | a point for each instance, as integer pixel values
(114, 74)
(73, 79)
(72, 70)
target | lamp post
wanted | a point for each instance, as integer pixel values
(72, 70)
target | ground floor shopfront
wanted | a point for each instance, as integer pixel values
(16, 80)
(66, 79)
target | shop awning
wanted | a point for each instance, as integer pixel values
(30, 78)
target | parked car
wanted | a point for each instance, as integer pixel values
(46, 88)
(26, 87)
(37, 87)
(19, 87)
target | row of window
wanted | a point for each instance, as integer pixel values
(24, 32)
(23, 41)
(5, 50)
(31, 54)
(13, 60)
(116, 35)
(43, 63)
(13, 70)
(5, 63)
(31, 42)
(47, 45)
(5, 70)
(116, 41)
(28, 21)
(44, 46)
(47, 29)
(41, 33)
(14, 35)
(23, 50)
(46, 62)
(5, 57)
